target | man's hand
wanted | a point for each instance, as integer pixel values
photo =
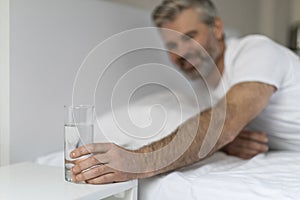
(247, 145)
(108, 163)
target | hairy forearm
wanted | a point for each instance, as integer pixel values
(204, 134)
(196, 139)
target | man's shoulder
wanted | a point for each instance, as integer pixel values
(255, 37)
(250, 40)
(256, 45)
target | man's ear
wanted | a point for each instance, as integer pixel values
(218, 28)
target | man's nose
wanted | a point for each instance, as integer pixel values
(183, 49)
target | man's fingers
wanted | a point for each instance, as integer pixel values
(104, 179)
(251, 145)
(111, 177)
(256, 136)
(248, 144)
(241, 152)
(96, 171)
(88, 162)
(245, 148)
(90, 148)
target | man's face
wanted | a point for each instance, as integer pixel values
(196, 49)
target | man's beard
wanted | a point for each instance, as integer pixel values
(204, 60)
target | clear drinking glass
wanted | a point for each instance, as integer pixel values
(79, 131)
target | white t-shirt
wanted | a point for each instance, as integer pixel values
(257, 58)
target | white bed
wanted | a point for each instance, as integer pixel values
(274, 175)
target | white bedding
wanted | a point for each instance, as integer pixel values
(274, 175)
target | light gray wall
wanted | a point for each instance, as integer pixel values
(241, 15)
(144, 4)
(295, 10)
(268, 17)
(282, 21)
(49, 40)
(4, 82)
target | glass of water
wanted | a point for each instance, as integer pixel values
(79, 128)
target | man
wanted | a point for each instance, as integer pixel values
(263, 90)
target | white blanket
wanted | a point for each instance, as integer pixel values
(275, 175)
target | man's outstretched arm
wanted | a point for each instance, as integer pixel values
(197, 138)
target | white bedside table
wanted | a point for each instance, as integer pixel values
(34, 181)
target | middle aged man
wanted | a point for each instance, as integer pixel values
(263, 82)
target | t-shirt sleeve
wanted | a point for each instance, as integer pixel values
(259, 60)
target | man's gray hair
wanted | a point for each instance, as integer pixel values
(168, 10)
